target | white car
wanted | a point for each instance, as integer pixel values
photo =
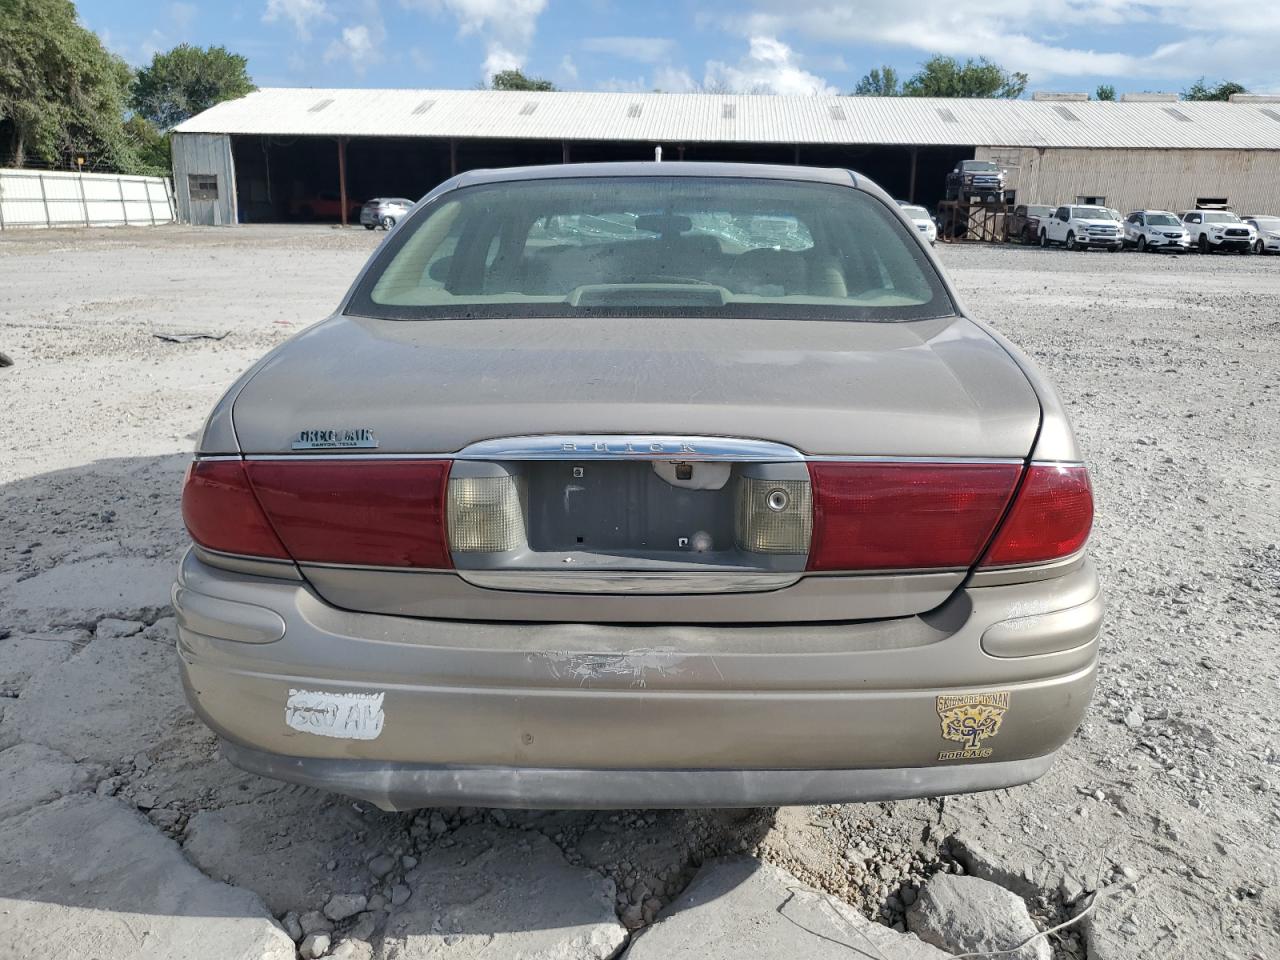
(1219, 230)
(1082, 227)
(1268, 229)
(920, 217)
(384, 212)
(1155, 230)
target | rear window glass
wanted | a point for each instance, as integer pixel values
(645, 246)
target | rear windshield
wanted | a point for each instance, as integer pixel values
(1039, 211)
(651, 246)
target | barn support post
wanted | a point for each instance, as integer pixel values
(795, 158)
(564, 151)
(453, 157)
(911, 190)
(342, 177)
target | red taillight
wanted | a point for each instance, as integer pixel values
(905, 516)
(386, 513)
(221, 512)
(1050, 518)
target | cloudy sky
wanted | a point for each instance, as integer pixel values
(783, 46)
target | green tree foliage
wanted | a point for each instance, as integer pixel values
(1105, 92)
(152, 148)
(880, 82)
(1200, 90)
(186, 80)
(516, 80)
(941, 76)
(61, 93)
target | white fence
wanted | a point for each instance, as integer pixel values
(46, 198)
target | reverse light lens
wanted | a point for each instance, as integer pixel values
(774, 516)
(1050, 518)
(486, 514)
(906, 516)
(386, 513)
(222, 513)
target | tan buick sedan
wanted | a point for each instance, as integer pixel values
(642, 485)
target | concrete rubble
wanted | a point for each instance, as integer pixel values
(740, 907)
(969, 915)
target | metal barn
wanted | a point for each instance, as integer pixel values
(287, 154)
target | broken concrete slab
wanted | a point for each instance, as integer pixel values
(968, 914)
(495, 892)
(23, 657)
(741, 907)
(88, 877)
(118, 584)
(115, 698)
(248, 845)
(31, 774)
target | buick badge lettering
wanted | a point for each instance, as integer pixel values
(359, 438)
(628, 447)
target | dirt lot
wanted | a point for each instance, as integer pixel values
(1168, 798)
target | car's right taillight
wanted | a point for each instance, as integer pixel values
(1051, 516)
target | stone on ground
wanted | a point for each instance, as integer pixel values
(89, 877)
(497, 892)
(31, 774)
(970, 915)
(740, 907)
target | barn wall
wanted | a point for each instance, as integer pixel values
(1143, 179)
(204, 155)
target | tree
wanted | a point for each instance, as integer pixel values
(941, 76)
(880, 82)
(1105, 92)
(154, 152)
(1202, 91)
(61, 93)
(516, 80)
(186, 80)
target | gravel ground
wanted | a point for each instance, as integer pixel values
(1168, 799)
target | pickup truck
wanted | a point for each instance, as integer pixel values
(1025, 222)
(1218, 230)
(1079, 228)
(976, 178)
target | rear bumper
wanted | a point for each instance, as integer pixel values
(405, 786)
(410, 712)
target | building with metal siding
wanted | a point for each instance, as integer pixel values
(308, 153)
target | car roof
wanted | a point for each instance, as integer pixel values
(649, 168)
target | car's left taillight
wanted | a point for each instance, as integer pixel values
(387, 513)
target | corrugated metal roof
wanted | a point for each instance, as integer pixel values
(710, 118)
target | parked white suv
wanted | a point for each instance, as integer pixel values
(1268, 228)
(1078, 228)
(922, 220)
(1155, 230)
(1219, 230)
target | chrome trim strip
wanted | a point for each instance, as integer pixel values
(794, 456)
(253, 566)
(629, 447)
(624, 582)
(215, 457)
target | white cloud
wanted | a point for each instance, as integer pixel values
(301, 13)
(673, 80)
(506, 26)
(568, 69)
(360, 44)
(640, 49)
(770, 66)
(1229, 35)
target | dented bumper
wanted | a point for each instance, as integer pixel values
(405, 712)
